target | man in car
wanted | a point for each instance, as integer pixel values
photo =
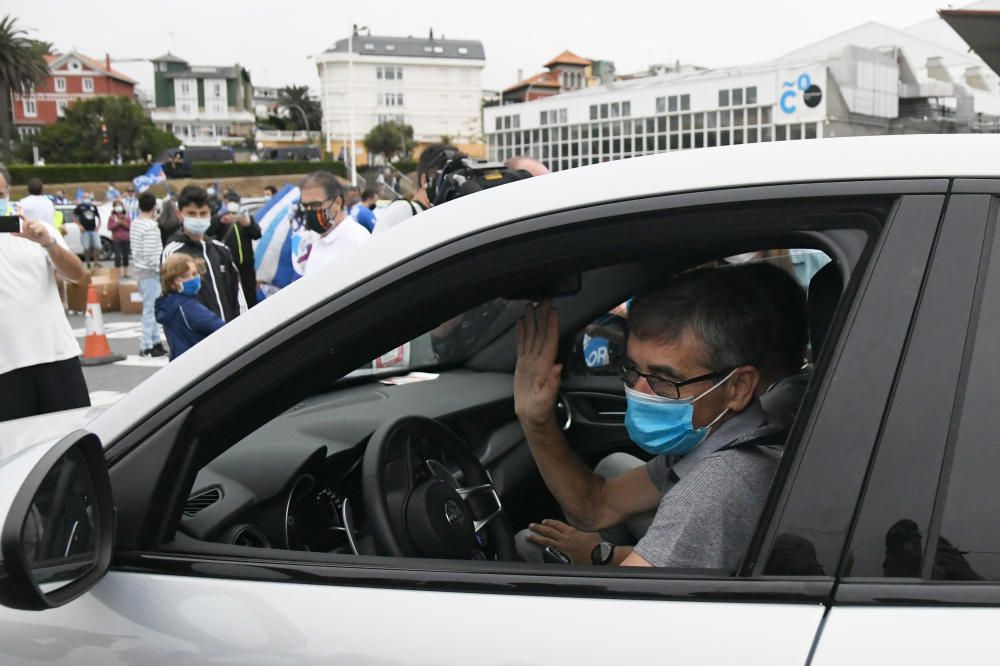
(782, 384)
(221, 291)
(691, 373)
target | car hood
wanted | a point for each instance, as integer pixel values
(19, 434)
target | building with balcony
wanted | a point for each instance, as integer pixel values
(431, 83)
(564, 73)
(203, 105)
(72, 76)
(872, 79)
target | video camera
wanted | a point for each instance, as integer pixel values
(460, 175)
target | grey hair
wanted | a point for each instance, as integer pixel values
(729, 317)
(5, 174)
(327, 181)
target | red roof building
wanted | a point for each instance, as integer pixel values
(567, 71)
(72, 76)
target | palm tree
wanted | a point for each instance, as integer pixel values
(303, 109)
(22, 66)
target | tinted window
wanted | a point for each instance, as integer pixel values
(968, 545)
(896, 512)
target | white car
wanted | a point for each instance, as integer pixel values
(252, 504)
(73, 230)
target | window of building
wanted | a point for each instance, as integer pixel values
(779, 133)
(61, 108)
(604, 110)
(795, 131)
(737, 96)
(369, 47)
(675, 142)
(723, 98)
(672, 103)
(30, 108)
(751, 96)
(390, 47)
(711, 118)
(765, 133)
(185, 88)
(217, 90)
(438, 49)
(462, 50)
(615, 110)
(88, 84)
(60, 84)
(685, 102)
(751, 116)
(499, 122)
(399, 73)
(811, 132)
(427, 49)
(752, 135)
(765, 115)
(626, 109)
(661, 104)
(593, 112)
(737, 117)
(543, 117)
(724, 138)
(562, 115)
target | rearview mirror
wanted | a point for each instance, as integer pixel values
(58, 533)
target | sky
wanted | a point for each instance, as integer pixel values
(275, 40)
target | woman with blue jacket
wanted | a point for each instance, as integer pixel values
(186, 321)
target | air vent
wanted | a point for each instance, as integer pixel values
(197, 503)
(250, 538)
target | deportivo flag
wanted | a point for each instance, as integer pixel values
(280, 253)
(152, 176)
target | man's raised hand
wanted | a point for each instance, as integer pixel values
(536, 377)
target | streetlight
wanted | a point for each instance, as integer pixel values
(350, 101)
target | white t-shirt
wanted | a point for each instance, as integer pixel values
(337, 245)
(394, 213)
(33, 326)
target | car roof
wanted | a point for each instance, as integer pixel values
(866, 158)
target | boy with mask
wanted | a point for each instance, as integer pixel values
(186, 321)
(221, 291)
(691, 375)
(321, 205)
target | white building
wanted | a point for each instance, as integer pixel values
(432, 84)
(870, 80)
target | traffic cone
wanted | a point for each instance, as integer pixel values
(96, 350)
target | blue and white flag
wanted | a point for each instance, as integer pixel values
(152, 176)
(283, 241)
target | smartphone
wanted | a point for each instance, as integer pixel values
(9, 224)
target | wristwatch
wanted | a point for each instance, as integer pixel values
(602, 553)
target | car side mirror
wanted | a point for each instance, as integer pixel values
(58, 533)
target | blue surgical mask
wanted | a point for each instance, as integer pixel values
(4, 204)
(196, 225)
(191, 287)
(664, 426)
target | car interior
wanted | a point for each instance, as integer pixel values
(316, 452)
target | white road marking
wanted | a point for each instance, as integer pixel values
(144, 361)
(119, 331)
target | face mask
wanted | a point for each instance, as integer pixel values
(210, 191)
(660, 425)
(119, 209)
(196, 226)
(191, 287)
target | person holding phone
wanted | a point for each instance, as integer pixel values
(39, 358)
(238, 231)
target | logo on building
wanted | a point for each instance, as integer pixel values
(812, 94)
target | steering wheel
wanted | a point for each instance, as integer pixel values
(415, 505)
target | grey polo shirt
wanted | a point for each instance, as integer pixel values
(713, 500)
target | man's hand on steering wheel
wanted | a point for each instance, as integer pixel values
(536, 376)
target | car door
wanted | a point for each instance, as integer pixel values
(920, 579)
(156, 605)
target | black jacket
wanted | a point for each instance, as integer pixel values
(239, 240)
(220, 286)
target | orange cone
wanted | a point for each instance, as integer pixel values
(96, 350)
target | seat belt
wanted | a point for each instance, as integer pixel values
(773, 438)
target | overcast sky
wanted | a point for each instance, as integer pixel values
(274, 39)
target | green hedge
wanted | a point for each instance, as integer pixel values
(406, 166)
(105, 173)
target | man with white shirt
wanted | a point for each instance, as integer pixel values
(321, 205)
(39, 358)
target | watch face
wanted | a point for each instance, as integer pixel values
(602, 553)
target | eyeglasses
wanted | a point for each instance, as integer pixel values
(313, 205)
(663, 387)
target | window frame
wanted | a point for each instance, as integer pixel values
(167, 437)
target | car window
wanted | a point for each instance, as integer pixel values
(967, 545)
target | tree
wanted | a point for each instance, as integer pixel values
(98, 130)
(389, 139)
(22, 67)
(296, 100)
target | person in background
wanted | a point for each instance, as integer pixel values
(214, 201)
(321, 205)
(270, 191)
(169, 219)
(131, 203)
(39, 358)
(238, 231)
(186, 321)
(120, 224)
(146, 249)
(362, 211)
(89, 218)
(60, 198)
(112, 193)
(36, 197)
(430, 162)
(222, 292)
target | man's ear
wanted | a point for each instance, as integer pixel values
(742, 387)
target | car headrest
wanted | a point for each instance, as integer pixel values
(825, 289)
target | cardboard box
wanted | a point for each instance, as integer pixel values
(129, 298)
(107, 292)
(76, 294)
